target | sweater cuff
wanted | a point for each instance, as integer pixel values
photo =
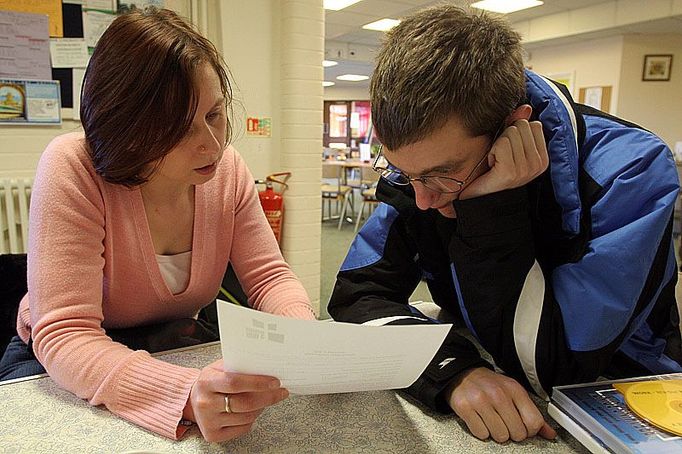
(153, 394)
(301, 311)
(491, 214)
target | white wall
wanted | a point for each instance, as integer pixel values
(274, 50)
(249, 31)
(21, 146)
(593, 63)
(654, 105)
(336, 93)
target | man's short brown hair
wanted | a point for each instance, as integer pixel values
(140, 95)
(445, 62)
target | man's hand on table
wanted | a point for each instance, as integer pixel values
(495, 406)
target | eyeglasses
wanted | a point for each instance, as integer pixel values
(437, 183)
(445, 185)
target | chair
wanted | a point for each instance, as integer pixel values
(334, 189)
(12, 290)
(369, 180)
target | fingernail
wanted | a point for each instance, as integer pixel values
(274, 384)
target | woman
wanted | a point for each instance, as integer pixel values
(134, 223)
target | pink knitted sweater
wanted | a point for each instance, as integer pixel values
(92, 266)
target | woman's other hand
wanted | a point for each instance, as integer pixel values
(245, 396)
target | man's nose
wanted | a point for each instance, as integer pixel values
(423, 196)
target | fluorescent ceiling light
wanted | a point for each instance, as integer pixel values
(506, 6)
(381, 25)
(328, 83)
(328, 63)
(352, 77)
(336, 5)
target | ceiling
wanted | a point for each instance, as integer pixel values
(344, 28)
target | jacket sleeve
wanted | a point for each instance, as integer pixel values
(374, 284)
(551, 324)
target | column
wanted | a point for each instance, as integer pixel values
(301, 100)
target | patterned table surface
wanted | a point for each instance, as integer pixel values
(38, 417)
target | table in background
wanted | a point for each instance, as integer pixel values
(39, 417)
(346, 165)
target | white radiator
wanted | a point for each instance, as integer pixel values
(15, 196)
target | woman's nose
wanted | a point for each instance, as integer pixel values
(424, 197)
(208, 142)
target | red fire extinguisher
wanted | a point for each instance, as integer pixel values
(272, 201)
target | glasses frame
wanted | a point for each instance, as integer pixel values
(384, 172)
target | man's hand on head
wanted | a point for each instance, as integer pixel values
(495, 406)
(517, 157)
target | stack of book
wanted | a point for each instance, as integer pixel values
(597, 415)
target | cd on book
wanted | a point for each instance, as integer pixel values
(659, 402)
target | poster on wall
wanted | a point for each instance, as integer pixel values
(24, 46)
(259, 126)
(29, 102)
(51, 8)
(127, 5)
(95, 23)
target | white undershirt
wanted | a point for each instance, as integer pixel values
(175, 270)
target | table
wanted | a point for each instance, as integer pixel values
(339, 170)
(346, 165)
(38, 417)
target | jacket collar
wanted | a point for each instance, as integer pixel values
(564, 131)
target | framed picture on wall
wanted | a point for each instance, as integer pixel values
(657, 67)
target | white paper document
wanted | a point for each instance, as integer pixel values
(69, 53)
(24, 46)
(316, 357)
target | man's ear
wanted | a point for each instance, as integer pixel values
(522, 112)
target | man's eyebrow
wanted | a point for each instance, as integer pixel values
(449, 166)
(445, 167)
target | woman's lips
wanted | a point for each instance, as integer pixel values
(206, 170)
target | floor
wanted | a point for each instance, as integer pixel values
(335, 244)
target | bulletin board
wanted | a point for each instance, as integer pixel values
(72, 28)
(598, 97)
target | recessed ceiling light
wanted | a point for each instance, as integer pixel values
(381, 25)
(352, 77)
(336, 5)
(506, 6)
(328, 63)
(328, 83)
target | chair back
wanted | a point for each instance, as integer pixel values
(369, 177)
(332, 179)
(13, 287)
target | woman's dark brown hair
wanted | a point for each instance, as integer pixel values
(139, 95)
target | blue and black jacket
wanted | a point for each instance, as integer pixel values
(566, 279)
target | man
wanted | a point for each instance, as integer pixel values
(543, 224)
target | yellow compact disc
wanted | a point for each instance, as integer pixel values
(658, 402)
